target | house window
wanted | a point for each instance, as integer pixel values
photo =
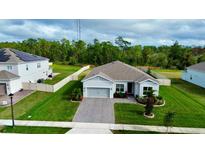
(38, 65)
(27, 67)
(9, 67)
(146, 90)
(119, 87)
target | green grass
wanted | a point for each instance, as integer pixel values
(64, 71)
(56, 107)
(34, 130)
(25, 104)
(46, 106)
(169, 73)
(185, 99)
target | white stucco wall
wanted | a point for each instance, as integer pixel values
(4, 66)
(15, 85)
(148, 83)
(97, 82)
(194, 77)
(33, 73)
(12, 86)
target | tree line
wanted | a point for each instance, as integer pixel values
(98, 53)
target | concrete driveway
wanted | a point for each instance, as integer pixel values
(96, 110)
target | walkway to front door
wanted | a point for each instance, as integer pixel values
(95, 110)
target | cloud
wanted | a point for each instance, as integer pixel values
(145, 32)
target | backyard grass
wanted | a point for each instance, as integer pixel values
(185, 99)
(34, 130)
(172, 74)
(64, 71)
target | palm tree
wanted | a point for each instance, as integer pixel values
(150, 102)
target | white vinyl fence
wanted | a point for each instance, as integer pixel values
(55, 87)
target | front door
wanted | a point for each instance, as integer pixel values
(130, 88)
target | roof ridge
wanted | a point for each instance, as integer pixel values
(138, 70)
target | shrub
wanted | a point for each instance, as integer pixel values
(120, 95)
(40, 80)
(76, 94)
(72, 61)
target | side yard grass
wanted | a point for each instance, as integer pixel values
(183, 98)
(64, 71)
(34, 130)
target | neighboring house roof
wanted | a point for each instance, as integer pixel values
(5, 75)
(198, 67)
(15, 56)
(120, 71)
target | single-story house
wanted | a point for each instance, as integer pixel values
(116, 77)
(17, 67)
(195, 74)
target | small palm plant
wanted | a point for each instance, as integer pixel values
(150, 103)
(169, 119)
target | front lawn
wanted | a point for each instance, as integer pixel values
(34, 130)
(64, 71)
(185, 99)
(25, 104)
(46, 106)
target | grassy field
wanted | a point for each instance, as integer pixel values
(172, 74)
(64, 71)
(185, 99)
(34, 130)
(46, 106)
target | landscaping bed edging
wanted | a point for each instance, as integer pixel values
(153, 105)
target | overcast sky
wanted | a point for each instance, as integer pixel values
(145, 32)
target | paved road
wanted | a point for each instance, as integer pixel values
(95, 110)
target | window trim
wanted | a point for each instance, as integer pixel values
(120, 88)
(147, 90)
(38, 65)
(9, 67)
(27, 67)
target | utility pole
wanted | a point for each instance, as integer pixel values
(78, 29)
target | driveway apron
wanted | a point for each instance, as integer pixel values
(95, 110)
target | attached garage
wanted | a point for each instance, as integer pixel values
(2, 89)
(98, 92)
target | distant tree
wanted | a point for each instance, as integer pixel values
(201, 58)
(122, 43)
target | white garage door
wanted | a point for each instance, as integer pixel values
(98, 92)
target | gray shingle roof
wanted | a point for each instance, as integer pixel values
(5, 75)
(199, 67)
(120, 71)
(15, 56)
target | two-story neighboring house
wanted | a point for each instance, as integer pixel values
(17, 67)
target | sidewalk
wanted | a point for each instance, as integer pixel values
(105, 126)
